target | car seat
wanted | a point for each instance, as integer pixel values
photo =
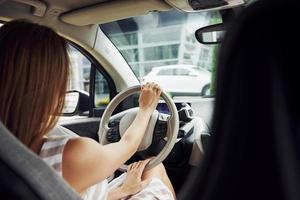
(23, 175)
(255, 146)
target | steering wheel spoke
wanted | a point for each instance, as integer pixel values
(161, 127)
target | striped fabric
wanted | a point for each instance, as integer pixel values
(52, 151)
(156, 190)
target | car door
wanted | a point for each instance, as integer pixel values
(187, 82)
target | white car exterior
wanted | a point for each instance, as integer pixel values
(180, 79)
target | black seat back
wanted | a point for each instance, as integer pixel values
(23, 175)
(255, 147)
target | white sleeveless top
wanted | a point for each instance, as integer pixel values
(52, 151)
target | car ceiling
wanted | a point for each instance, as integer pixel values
(74, 4)
(79, 12)
(88, 12)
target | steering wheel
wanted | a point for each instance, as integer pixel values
(127, 119)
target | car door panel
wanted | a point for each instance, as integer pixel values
(84, 127)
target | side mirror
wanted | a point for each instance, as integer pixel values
(76, 102)
(212, 34)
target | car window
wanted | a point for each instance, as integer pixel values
(182, 72)
(79, 78)
(102, 97)
(166, 72)
(167, 39)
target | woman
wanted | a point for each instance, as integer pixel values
(34, 68)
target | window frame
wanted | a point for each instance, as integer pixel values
(95, 66)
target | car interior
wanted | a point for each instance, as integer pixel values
(111, 39)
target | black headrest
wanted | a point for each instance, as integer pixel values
(254, 153)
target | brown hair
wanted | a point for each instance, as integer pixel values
(34, 68)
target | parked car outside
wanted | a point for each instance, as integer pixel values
(180, 79)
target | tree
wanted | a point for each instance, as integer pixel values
(215, 19)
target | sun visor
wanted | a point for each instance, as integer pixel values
(204, 5)
(112, 10)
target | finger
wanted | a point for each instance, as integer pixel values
(140, 169)
(130, 167)
(134, 165)
(148, 85)
(143, 163)
(142, 166)
(153, 86)
(157, 90)
(137, 165)
(143, 88)
(157, 96)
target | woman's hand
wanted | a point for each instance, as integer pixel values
(133, 182)
(149, 97)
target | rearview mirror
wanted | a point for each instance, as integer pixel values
(212, 34)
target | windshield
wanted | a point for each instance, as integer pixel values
(161, 47)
